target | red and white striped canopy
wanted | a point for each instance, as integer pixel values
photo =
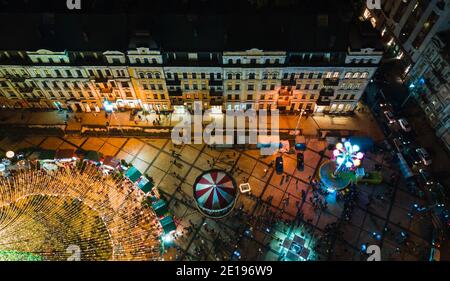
(215, 191)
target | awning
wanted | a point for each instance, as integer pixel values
(65, 154)
(93, 156)
(167, 224)
(47, 155)
(160, 208)
(133, 174)
(145, 184)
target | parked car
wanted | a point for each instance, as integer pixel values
(412, 158)
(279, 165)
(398, 144)
(389, 116)
(404, 125)
(424, 156)
(300, 162)
(425, 177)
(404, 140)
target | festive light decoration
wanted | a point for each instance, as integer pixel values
(347, 156)
(44, 212)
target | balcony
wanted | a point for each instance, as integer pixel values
(26, 90)
(106, 90)
(100, 79)
(322, 102)
(215, 93)
(214, 82)
(174, 82)
(216, 102)
(326, 92)
(176, 102)
(284, 93)
(15, 78)
(331, 82)
(176, 92)
(288, 82)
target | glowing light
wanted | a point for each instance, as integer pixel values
(10, 154)
(340, 160)
(360, 155)
(336, 152)
(348, 164)
(357, 162)
(108, 106)
(347, 144)
(167, 238)
(339, 146)
(355, 148)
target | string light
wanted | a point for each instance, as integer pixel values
(43, 212)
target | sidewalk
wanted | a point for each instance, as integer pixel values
(363, 122)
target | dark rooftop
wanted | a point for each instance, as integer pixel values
(312, 25)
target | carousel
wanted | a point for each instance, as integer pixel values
(215, 193)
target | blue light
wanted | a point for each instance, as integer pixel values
(236, 253)
(421, 81)
(378, 236)
(108, 106)
(363, 248)
(330, 190)
(412, 86)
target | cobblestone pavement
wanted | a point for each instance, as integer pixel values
(260, 221)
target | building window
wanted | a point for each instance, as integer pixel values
(249, 97)
(186, 86)
(250, 87)
(251, 76)
(348, 75)
(238, 76)
(364, 75)
(229, 87)
(263, 87)
(202, 75)
(169, 75)
(237, 87)
(194, 75)
(355, 75)
(316, 86)
(230, 76)
(272, 87)
(307, 87)
(185, 75)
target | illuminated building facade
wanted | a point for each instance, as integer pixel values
(326, 71)
(407, 26)
(429, 83)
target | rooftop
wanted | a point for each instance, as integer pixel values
(319, 25)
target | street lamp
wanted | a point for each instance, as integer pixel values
(10, 154)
